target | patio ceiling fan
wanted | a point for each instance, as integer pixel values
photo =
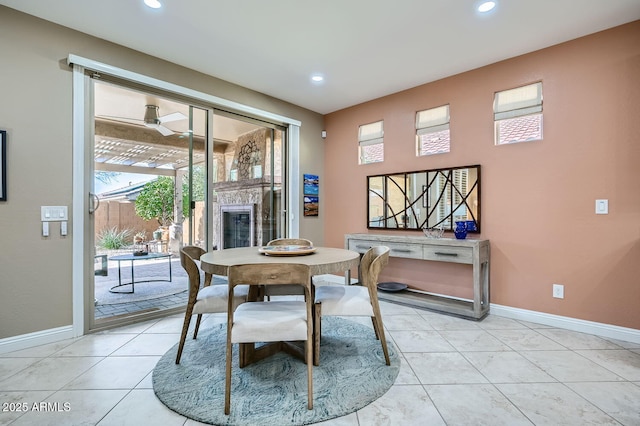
(153, 120)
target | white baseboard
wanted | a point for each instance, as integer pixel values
(53, 335)
(568, 323)
(583, 326)
(25, 341)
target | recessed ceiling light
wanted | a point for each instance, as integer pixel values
(486, 6)
(154, 4)
(317, 78)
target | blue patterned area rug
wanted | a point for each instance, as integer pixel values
(352, 374)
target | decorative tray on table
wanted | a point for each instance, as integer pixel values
(286, 250)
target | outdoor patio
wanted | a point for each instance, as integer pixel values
(151, 291)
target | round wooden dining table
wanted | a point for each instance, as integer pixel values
(323, 260)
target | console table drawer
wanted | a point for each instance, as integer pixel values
(448, 254)
(411, 251)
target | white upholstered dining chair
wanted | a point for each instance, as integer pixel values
(208, 299)
(270, 321)
(354, 300)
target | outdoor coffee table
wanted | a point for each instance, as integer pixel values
(124, 257)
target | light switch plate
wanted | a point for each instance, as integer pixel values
(53, 213)
(602, 206)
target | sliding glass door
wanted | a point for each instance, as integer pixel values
(169, 174)
(248, 189)
(126, 125)
(150, 197)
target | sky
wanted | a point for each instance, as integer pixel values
(122, 180)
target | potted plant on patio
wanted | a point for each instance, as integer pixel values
(140, 237)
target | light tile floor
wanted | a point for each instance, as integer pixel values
(454, 372)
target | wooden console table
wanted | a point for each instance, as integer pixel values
(468, 251)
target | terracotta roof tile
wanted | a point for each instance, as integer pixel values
(520, 129)
(435, 143)
(373, 153)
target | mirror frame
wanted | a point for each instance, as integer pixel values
(413, 205)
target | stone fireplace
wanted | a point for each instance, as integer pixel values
(244, 205)
(247, 193)
(237, 223)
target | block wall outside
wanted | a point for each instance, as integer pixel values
(122, 215)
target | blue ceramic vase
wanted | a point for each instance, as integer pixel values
(460, 230)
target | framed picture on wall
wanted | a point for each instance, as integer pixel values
(3, 165)
(310, 184)
(310, 205)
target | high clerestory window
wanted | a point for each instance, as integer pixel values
(371, 142)
(432, 131)
(518, 114)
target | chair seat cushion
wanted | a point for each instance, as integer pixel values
(344, 300)
(213, 298)
(279, 321)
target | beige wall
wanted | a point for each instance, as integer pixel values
(36, 111)
(538, 198)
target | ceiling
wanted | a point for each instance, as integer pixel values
(364, 48)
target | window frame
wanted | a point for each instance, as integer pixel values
(431, 125)
(368, 136)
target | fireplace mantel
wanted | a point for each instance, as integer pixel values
(243, 184)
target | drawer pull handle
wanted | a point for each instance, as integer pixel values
(360, 246)
(446, 254)
(402, 250)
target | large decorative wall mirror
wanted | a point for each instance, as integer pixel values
(424, 199)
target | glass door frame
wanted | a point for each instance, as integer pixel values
(82, 101)
(183, 174)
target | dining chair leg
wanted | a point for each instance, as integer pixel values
(183, 335)
(382, 339)
(375, 327)
(207, 279)
(317, 332)
(227, 385)
(195, 331)
(308, 352)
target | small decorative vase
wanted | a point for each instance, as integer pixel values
(460, 230)
(471, 225)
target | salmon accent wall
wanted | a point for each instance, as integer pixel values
(538, 198)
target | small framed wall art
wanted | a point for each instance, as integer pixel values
(311, 202)
(3, 165)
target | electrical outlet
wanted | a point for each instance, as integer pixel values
(558, 291)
